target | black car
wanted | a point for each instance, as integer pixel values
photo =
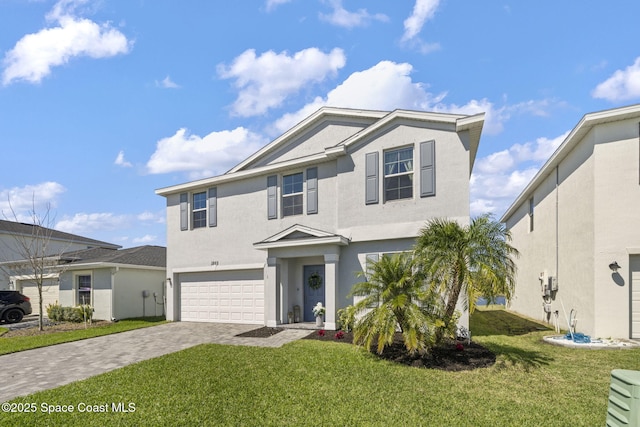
(13, 306)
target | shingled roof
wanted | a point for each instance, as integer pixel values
(23, 229)
(150, 256)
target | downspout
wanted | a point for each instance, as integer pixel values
(113, 290)
(557, 226)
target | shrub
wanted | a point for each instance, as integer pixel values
(347, 318)
(85, 312)
(81, 313)
(54, 312)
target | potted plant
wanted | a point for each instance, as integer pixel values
(318, 311)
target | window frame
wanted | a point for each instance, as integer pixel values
(199, 222)
(83, 300)
(398, 174)
(297, 208)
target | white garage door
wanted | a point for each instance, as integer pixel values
(50, 294)
(225, 297)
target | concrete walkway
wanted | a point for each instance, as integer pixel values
(44, 368)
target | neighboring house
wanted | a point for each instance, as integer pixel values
(341, 187)
(118, 284)
(15, 236)
(576, 227)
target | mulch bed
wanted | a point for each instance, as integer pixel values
(451, 356)
(51, 328)
(264, 332)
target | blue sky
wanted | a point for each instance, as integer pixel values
(104, 101)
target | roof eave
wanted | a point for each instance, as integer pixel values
(585, 124)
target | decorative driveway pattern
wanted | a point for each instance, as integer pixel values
(44, 368)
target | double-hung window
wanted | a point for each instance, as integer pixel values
(200, 209)
(398, 174)
(292, 199)
(84, 289)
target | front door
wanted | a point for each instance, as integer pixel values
(313, 277)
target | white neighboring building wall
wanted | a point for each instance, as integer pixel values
(585, 202)
(345, 214)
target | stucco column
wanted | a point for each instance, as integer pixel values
(271, 291)
(331, 283)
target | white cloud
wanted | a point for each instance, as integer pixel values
(500, 177)
(423, 11)
(388, 86)
(167, 83)
(385, 86)
(203, 156)
(151, 217)
(145, 240)
(19, 203)
(120, 160)
(623, 85)
(33, 56)
(82, 223)
(265, 81)
(272, 4)
(343, 18)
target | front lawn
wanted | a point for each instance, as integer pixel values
(35, 340)
(327, 383)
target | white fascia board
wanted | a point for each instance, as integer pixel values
(585, 124)
(328, 154)
(33, 276)
(312, 241)
(422, 116)
(90, 265)
(211, 268)
(297, 228)
(301, 127)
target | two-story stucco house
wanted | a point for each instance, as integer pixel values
(576, 227)
(341, 187)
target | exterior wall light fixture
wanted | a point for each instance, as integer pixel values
(614, 266)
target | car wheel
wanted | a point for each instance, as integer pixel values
(13, 316)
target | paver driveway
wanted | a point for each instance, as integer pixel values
(44, 368)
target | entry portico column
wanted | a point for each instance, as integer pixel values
(271, 288)
(331, 283)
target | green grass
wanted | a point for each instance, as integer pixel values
(21, 343)
(494, 320)
(325, 383)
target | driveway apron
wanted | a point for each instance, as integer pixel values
(44, 368)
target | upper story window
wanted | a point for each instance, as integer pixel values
(292, 199)
(200, 209)
(398, 174)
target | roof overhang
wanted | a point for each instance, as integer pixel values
(328, 154)
(300, 235)
(583, 127)
(460, 123)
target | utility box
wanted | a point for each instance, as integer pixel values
(624, 399)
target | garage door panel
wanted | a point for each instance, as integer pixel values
(231, 299)
(50, 294)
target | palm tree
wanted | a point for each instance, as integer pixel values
(394, 298)
(470, 261)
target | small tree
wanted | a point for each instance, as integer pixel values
(394, 299)
(476, 260)
(34, 255)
